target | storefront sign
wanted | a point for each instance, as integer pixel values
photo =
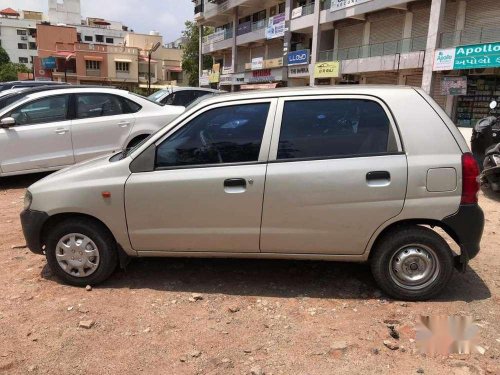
(297, 12)
(257, 63)
(232, 79)
(298, 71)
(327, 69)
(477, 56)
(214, 77)
(454, 86)
(298, 57)
(204, 79)
(276, 26)
(468, 57)
(273, 63)
(49, 63)
(227, 69)
(444, 59)
(264, 75)
(342, 4)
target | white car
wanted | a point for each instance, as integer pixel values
(50, 130)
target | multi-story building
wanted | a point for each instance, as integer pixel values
(305, 42)
(18, 33)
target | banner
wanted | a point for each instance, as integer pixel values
(298, 57)
(49, 63)
(297, 12)
(473, 56)
(327, 69)
(257, 63)
(276, 26)
(342, 4)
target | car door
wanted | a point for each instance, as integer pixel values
(40, 138)
(206, 191)
(101, 125)
(336, 172)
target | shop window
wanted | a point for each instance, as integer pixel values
(22, 46)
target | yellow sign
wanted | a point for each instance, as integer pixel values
(273, 63)
(248, 66)
(214, 77)
(216, 68)
(326, 69)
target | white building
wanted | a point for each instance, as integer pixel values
(17, 36)
(67, 12)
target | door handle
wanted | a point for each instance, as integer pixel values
(61, 131)
(235, 185)
(378, 178)
(124, 124)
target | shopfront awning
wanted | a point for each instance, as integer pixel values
(177, 69)
(259, 86)
(123, 60)
(145, 59)
(65, 55)
(93, 58)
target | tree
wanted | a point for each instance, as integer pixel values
(8, 71)
(190, 54)
(4, 57)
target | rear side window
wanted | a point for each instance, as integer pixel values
(327, 128)
(131, 106)
(96, 105)
(231, 134)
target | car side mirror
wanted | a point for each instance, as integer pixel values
(7, 122)
(493, 104)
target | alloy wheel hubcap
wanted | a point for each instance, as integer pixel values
(77, 255)
(414, 267)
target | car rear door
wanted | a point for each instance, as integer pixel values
(101, 125)
(41, 137)
(205, 193)
(336, 172)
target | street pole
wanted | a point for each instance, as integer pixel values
(149, 73)
(66, 70)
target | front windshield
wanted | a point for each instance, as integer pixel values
(157, 95)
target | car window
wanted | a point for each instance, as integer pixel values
(157, 95)
(183, 98)
(131, 106)
(51, 109)
(332, 128)
(96, 105)
(231, 134)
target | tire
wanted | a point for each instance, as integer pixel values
(397, 254)
(98, 266)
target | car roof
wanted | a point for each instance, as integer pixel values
(85, 89)
(30, 90)
(177, 88)
(304, 91)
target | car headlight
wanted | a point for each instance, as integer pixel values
(28, 198)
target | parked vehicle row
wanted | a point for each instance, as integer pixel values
(342, 173)
(182, 96)
(53, 128)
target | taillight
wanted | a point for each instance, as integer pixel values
(470, 183)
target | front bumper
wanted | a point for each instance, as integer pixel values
(466, 227)
(32, 222)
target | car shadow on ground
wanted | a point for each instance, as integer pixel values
(273, 278)
(20, 182)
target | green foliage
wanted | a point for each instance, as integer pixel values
(191, 52)
(9, 70)
(4, 57)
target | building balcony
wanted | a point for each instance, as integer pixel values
(251, 32)
(469, 36)
(392, 55)
(302, 18)
(217, 41)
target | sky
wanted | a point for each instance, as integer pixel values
(165, 16)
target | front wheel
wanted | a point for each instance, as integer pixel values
(412, 263)
(81, 252)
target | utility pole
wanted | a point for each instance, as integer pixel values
(150, 52)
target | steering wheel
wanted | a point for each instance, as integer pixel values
(208, 141)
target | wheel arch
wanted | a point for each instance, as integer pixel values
(409, 223)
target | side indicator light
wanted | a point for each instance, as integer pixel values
(106, 194)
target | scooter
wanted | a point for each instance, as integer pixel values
(485, 144)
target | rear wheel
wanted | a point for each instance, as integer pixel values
(81, 252)
(412, 263)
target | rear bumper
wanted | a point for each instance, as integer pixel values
(32, 223)
(466, 227)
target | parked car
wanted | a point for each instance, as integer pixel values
(346, 173)
(51, 129)
(183, 96)
(18, 84)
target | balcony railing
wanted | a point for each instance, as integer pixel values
(308, 9)
(224, 35)
(378, 49)
(469, 36)
(325, 5)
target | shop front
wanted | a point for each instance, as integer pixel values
(467, 79)
(298, 68)
(264, 74)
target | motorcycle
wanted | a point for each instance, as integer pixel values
(485, 144)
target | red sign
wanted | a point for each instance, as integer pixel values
(261, 73)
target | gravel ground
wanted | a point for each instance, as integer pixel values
(195, 316)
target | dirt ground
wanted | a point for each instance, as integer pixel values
(195, 316)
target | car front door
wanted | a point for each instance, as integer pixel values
(102, 124)
(40, 138)
(336, 172)
(206, 191)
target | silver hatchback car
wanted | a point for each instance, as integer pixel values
(342, 173)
